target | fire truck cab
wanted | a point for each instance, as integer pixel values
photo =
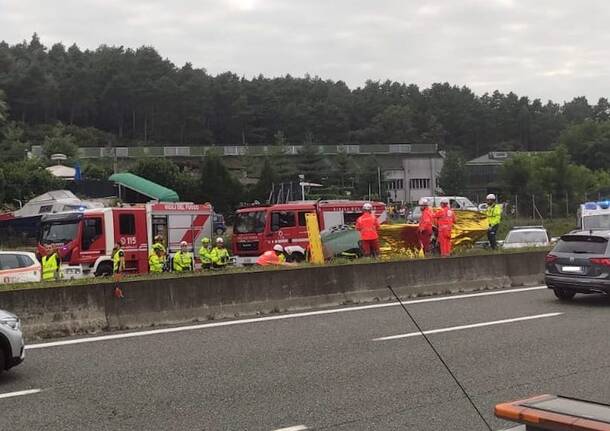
(258, 228)
(85, 239)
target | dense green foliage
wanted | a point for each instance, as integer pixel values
(64, 98)
(136, 95)
(453, 178)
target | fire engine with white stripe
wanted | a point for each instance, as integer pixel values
(85, 239)
(259, 227)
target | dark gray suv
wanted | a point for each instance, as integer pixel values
(579, 263)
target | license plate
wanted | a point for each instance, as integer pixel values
(571, 268)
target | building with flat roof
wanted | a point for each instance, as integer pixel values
(408, 171)
(484, 172)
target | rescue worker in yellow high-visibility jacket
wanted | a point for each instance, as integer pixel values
(118, 259)
(156, 260)
(205, 253)
(50, 265)
(494, 217)
(220, 255)
(183, 259)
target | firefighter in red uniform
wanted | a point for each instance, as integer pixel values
(424, 230)
(368, 224)
(445, 218)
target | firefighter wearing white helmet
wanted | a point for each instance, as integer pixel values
(220, 255)
(280, 252)
(183, 259)
(494, 217)
(368, 225)
(426, 222)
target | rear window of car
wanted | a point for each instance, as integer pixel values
(533, 236)
(581, 244)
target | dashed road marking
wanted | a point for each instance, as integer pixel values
(20, 393)
(272, 318)
(294, 428)
(474, 325)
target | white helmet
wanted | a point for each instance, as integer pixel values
(220, 241)
(491, 197)
(183, 244)
(367, 207)
(278, 247)
(445, 201)
(423, 202)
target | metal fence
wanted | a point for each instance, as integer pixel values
(244, 150)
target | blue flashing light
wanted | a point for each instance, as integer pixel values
(604, 204)
(590, 206)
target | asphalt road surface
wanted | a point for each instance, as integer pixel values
(358, 368)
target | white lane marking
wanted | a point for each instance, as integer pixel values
(268, 318)
(474, 325)
(20, 393)
(294, 428)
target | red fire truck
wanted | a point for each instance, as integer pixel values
(258, 228)
(85, 239)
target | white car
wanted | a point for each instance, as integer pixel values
(526, 236)
(19, 267)
(12, 346)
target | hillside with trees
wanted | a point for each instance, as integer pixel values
(65, 97)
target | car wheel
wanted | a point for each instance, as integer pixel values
(104, 270)
(563, 294)
(296, 257)
(2, 360)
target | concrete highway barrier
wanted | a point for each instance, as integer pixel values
(90, 308)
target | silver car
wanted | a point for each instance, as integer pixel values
(12, 351)
(526, 236)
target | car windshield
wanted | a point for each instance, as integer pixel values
(58, 232)
(250, 222)
(581, 244)
(600, 221)
(526, 237)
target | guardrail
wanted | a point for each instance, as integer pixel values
(56, 311)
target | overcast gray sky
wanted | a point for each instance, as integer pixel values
(555, 49)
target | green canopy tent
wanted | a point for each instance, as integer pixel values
(143, 187)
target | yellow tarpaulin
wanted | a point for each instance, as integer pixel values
(401, 239)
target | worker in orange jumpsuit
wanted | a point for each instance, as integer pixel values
(368, 224)
(445, 218)
(426, 221)
(275, 257)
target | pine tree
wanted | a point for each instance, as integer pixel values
(266, 180)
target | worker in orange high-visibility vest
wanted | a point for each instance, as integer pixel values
(273, 257)
(445, 219)
(426, 222)
(368, 225)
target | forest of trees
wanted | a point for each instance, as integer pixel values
(63, 98)
(139, 97)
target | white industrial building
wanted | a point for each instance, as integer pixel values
(408, 177)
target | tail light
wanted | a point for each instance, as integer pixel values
(550, 258)
(603, 261)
